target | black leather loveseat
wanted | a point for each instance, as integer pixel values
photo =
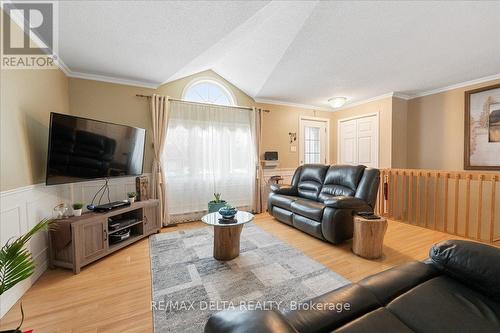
(322, 199)
(456, 290)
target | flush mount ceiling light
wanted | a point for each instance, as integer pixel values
(337, 102)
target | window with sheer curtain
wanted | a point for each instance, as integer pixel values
(209, 149)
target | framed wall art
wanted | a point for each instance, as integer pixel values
(482, 129)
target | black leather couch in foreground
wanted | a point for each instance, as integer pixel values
(322, 199)
(456, 290)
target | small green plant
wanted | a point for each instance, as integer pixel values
(131, 194)
(217, 197)
(77, 205)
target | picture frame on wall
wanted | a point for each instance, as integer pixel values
(482, 128)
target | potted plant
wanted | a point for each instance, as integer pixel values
(216, 204)
(77, 208)
(131, 197)
(17, 264)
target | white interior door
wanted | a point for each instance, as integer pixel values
(358, 141)
(313, 141)
(348, 146)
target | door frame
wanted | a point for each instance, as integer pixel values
(327, 143)
(371, 114)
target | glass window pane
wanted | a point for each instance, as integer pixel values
(208, 92)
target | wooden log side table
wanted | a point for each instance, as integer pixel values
(227, 233)
(368, 238)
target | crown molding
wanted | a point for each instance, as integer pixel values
(364, 101)
(399, 95)
(457, 85)
(346, 106)
(62, 66)
(19, 20)
(111, 79)
(296, 105)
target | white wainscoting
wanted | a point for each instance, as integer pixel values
(286, 173)
(22, 208)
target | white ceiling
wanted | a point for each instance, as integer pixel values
(301, 52)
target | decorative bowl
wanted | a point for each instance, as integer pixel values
(227, 212)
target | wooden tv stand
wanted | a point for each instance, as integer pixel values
(90, 234)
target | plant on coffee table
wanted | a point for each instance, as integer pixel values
(216, 204)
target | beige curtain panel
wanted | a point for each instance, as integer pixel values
(159, 112)
(259, 176)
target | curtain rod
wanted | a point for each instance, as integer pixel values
(183, 101)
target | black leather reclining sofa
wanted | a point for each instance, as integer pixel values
(322, 199)
(456, 290)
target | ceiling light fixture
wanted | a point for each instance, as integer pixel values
(337, 102)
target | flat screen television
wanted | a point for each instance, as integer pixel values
(82, 149)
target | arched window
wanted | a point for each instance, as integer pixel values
(208, 91)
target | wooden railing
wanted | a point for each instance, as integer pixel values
(460, 203)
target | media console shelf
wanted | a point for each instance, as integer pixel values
(90, 239)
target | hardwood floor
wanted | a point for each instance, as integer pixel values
(114, 294)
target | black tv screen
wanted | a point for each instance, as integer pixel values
(83, 149)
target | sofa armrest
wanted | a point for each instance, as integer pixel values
(284, 189)
(474, 264)
(248, 322)
(343, 202)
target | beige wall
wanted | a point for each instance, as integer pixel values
(436, 129)
(425, 132)
(399, 151)
(119, 104)
(115, 103)
(278, 122)
(27, 98)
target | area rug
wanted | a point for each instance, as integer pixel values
(189, 284)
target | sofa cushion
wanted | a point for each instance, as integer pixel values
(283, 215)
(329, 191)
(445, 305)
(308, 208)
(307, 225)
(378, 321)
(283, 201)
(341, 180)
(310, 180)
(248, 322)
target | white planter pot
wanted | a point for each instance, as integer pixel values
(77, 212)
(131, 200)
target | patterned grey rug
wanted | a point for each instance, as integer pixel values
(189, 284)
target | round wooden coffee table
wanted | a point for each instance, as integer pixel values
(227, 233)
(368, 237)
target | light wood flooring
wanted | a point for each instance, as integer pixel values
(114, 294)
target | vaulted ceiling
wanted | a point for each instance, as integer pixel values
(300, 52)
